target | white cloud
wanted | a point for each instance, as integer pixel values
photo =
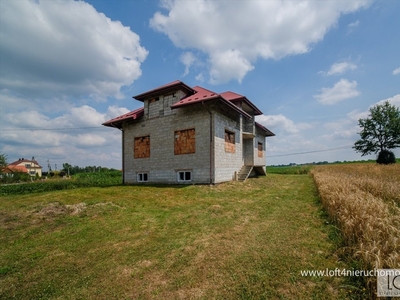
(347, 128)
(72, 141)
(244, 31)
(395, 100)
(355, 115)
(226, 63)
(115, 111)
(200, 77)
(281, 123)
(396, 71)
(342, 90)
(65, 47)
(343, 129)
(340, 68)
(352, 26)
(188, 59)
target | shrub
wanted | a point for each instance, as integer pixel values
(79, 181)
(386, 157)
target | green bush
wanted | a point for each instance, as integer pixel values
(78, 181)
(386, 157)
(15, 177)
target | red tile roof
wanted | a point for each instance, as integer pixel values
(195, 95)
(202, 95)
(15, 169)
(172, 86)
(23, 160)
(234, 97)
(230, 96)
(132, 115)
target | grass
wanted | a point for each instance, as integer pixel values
(363, 200)
(231, 241)
(286, 170)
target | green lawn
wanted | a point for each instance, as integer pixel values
(230, 241)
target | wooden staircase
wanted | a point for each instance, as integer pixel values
(244, 173)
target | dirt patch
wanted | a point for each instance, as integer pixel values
(55, 209)
(76, 208)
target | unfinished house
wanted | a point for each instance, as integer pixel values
(191, 135)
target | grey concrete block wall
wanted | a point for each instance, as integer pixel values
(162, 165)
(162, 106)
(226, 163)
(210, 163)
(259, 161)
(248, 149)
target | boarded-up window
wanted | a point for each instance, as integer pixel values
(229, 141)
(260, 150)
(141, 147)
(185, 141)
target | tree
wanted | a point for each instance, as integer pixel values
(380, 131)
(67, 168)
(3, 162)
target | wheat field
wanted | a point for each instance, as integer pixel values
(364, 200)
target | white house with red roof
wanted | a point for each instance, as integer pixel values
(30, 166)
(191, 135)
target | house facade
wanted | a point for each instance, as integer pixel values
(31, 167)
(191, 135)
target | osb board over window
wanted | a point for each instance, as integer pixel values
(229, 141)
(260, 149)
(141, 147)
(185, 141)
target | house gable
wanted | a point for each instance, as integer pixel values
(171, 87)
(31, 166)
(242, 102)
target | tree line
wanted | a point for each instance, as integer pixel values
(69, 170)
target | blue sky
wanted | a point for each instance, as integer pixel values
(312, 67)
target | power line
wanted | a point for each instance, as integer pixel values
(307, 152)
(51, 129)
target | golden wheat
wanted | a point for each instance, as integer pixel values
(364, 200)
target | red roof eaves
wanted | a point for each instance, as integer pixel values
(15, 169)
(163, 89)
(16, 163)
(234, 97)
(133, 115)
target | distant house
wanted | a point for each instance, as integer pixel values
(10, 170)
(191, 135)
(31, 167)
